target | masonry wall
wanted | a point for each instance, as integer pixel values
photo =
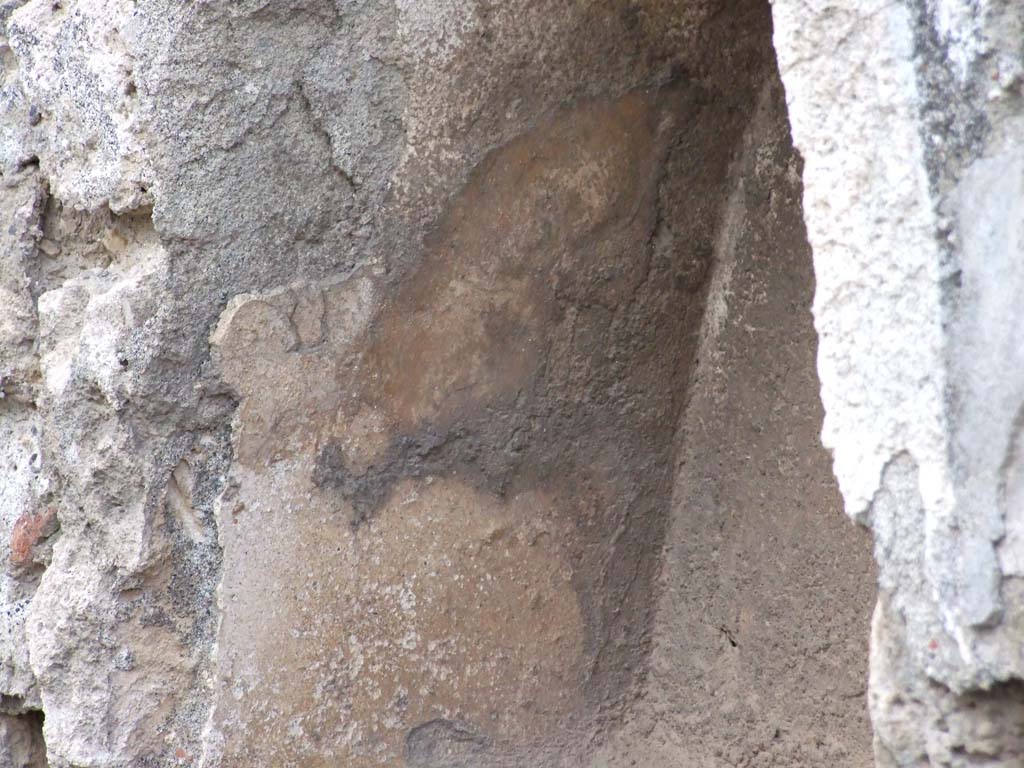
(908, 117)
(435, 384)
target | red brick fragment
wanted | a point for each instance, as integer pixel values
(29, 530)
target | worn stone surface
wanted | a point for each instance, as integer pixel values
(478, 437)
(22, 740)
(908, 116)
(753, 661)
(406, 383)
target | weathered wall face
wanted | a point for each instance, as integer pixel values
(465, 461)
(402, 383)
(908, 116)
(754, 659)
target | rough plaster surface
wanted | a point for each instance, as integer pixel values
(907, 115)
(753, 662)
(418, 383)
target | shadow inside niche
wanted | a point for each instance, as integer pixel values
(22, 737)
(555, 495)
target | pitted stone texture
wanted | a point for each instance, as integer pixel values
(907, 115)
(26, 517)
(925, 723)
(21, 741)
(77, 58)
(106, 642)
(22, 485)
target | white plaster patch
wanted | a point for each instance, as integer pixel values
(76, 62)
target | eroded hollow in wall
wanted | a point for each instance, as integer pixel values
(479, 493)
(489, 441)
(22, 737)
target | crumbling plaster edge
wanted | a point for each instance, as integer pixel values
(871, 223)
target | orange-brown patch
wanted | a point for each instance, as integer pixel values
(28, 531)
